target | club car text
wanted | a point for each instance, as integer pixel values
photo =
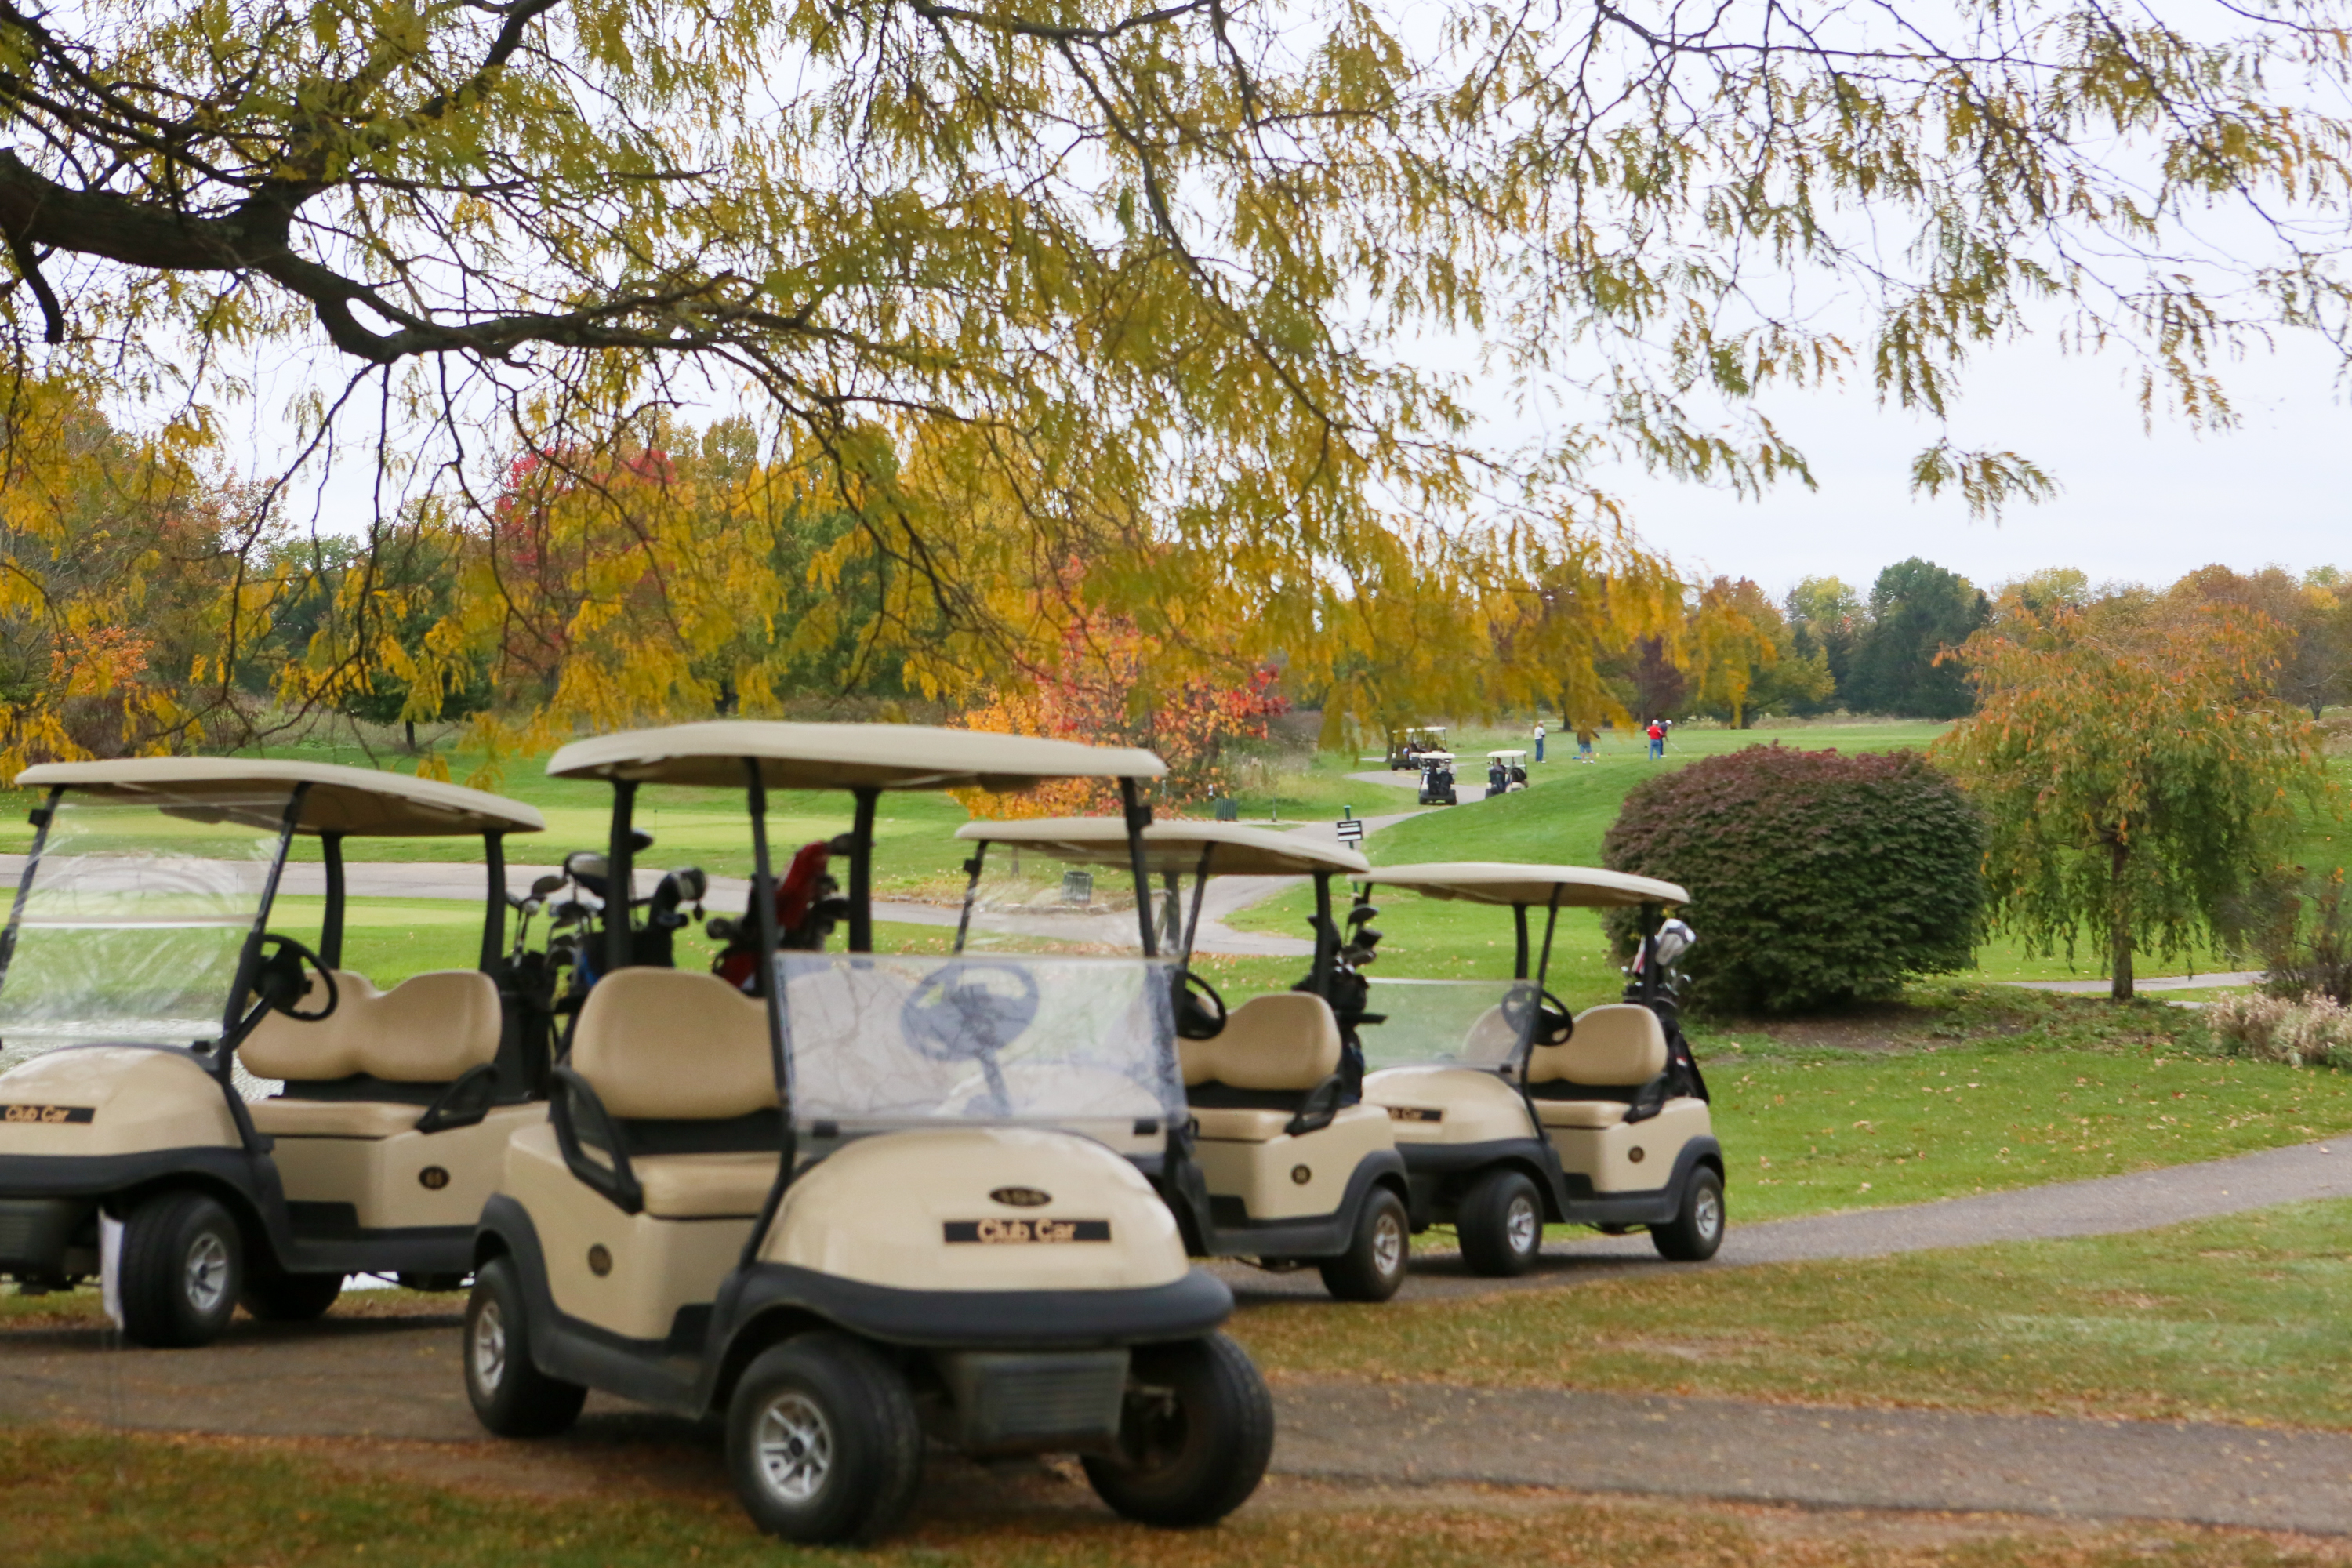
(48, 1113)
(1019, 1231)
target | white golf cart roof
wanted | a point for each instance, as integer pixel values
(1500, 883)
(1506, 754)
(1238, 851)
(357, 801)
(844, 756)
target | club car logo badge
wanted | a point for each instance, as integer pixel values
(1021, 1197)
(1414, 1113)
(48, 1115)
(1026, 1232)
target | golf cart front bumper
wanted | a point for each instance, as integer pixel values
(1003, 1321)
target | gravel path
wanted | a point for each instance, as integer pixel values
(2105, 1206)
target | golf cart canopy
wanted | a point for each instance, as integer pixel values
(1427, 758)
(844, 756)
(339, 799)
(1506, 756)
(1500, 882)
(1232, 851)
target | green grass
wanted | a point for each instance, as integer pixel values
(2235, 1318)
(84, 1499)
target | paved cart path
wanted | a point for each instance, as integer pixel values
(2105, 1205)
(398, 1379)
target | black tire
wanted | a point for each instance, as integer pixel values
(277, 1297)
(1195, 1437)
(1698, 1227)
(509, 1395)
(1378, 1255)
(823, 1441)
(1500, 1222)
(182, 1270)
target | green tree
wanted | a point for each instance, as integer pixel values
(2141, 784)
(1826, 621)
(1918, 610)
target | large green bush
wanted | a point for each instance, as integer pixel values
(1816, 879)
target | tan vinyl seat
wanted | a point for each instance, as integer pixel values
(1287, 1040)
(1240, 1124)
(669, 1045)
(431, 1028)
(1620, 1046)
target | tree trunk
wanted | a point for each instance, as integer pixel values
(2119, 924)
(409, 725)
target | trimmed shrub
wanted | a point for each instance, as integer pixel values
(1816, 879)
(2317, 1033)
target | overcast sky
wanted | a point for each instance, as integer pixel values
(2136, 505)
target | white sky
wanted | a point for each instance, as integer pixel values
(2135, 504)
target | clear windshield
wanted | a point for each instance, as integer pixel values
(134, 920)
(894, 1041)
(1028, 902)
(1448, 1023)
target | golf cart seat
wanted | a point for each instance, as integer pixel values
(1590, 1081)
(1248, 1082)
(679, 1064)
(370, 1068)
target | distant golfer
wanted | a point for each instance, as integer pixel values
(1539, 740)
(1658, 737)
(1584, 737)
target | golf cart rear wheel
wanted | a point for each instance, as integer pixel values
(1374, 1264)
(1501, 1223)
(275, 1296)
(509, 1395)
(182, 1270)
(823, 1441)
(1696, 1229)
(1194, 1438)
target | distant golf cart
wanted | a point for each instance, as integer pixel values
(1506, 772)
(1279, 1162)
(1437, 779)
(139, 974)
(872, 1200)
(1510, 1113)
(1407, 744)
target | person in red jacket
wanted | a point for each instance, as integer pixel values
(1658, 737)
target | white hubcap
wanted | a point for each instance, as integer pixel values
(1708, 1213)
(1388, 1245)
(795, 1447)
(1523, 1226)
(489, 1346)
(207, 1274)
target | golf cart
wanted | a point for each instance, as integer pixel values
(1506, 772)
(1407, 744)
(857, 1198)
(144, 998)
(1277, 1160)
(1510, 1113)
(1437, 778)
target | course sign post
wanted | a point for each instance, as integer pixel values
(1351, 829)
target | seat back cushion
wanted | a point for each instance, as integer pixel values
(673, 1045)
(1619, 1045)
(1287, 1040)
(429, 1028)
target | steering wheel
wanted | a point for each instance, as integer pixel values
(277, 979)
(1194, 1020)
(952, 1016)
(1554, 1024)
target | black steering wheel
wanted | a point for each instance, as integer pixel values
(953, 1015)
(1553, 1023)
(278, 980)
(1194, 1018)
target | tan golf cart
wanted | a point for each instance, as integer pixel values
(143, 997)
(1437, 779)
(1509, 1112)
(881, 1199)
(1407, 744)
(1279, 1161)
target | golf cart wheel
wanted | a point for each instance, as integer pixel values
(509, 1395)
(823, 1441)
(182, 1270)
(1500, 1223)
(1378, 1255)
(1696, 1229)
(1194, 1438)
(275, 1296)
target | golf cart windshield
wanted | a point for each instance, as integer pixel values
(1449, 1023)
(875, 1042)
(132, 923)
(1027, 900)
